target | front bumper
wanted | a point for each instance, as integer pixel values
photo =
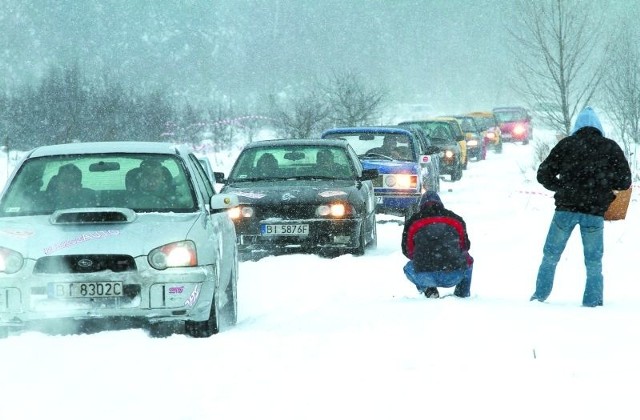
(321, 234)
(174, 294)
(396, 204)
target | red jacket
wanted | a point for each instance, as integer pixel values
(436, 239)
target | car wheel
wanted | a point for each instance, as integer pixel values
(203, 329)
(499, 148)
(374, 235)
(457, 173)
(231, 292)
(362, 243)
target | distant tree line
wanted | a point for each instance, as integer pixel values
(66, 107)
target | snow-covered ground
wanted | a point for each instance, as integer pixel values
(350, 337)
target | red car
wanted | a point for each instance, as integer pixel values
(515, 123)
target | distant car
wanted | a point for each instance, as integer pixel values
(441, 134)
(406, 161)
(476, 145)
(303, 195)
(116, 230)
(459, 136)
(490, 127)
(515, 124)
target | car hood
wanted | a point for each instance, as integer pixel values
(38, 236)
(291, 191)
(388, 167)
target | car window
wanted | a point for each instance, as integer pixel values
(510, 115)
(384, 144)
(203, 177)
(292, 161)
(142, 182)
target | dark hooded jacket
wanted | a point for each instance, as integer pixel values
(435, 238)
(584, 168)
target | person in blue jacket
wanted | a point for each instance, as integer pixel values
(436, 242)
(583, 169)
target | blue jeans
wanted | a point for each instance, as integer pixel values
(461, 279)
(591, 230)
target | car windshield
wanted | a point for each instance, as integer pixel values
(510, 115)
(292, 162)
(141, 182)
(386, 146)
(438, 131)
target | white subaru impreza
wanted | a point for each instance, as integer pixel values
(116, 230)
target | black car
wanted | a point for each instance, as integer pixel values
(441, 134)
(302, 195)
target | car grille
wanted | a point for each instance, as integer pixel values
(287, 211)
(377, 182)
(84, 264)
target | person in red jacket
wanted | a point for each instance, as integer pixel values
(436, 242)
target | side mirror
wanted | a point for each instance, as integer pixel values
(369, 174)
(223, 202)
(219, 177)
(432, 150)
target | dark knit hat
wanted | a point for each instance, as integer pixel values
(429, 196)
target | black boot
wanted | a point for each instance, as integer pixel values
(431, 292)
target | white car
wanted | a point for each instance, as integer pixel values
(117, 230)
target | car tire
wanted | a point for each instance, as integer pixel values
(457, 173)
(204, 329)
(362, 243)
(374, 235)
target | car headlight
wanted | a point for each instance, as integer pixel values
(239, 212)
(518, 130)
(448, 154)
(473, 142)
(491, 135)
(176, 254)
(332, 210)
(10, 261)
(401, 181)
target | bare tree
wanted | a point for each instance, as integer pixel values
(556, 64)
(622, 89)
(351, 102)
(298, 117)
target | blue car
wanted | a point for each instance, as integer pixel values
(406, 162)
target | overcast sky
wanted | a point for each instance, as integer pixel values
(448, 53)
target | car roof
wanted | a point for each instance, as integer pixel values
(480, 114)
(369, 129)
(509, 108)
(108, 147)
(295, 142)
